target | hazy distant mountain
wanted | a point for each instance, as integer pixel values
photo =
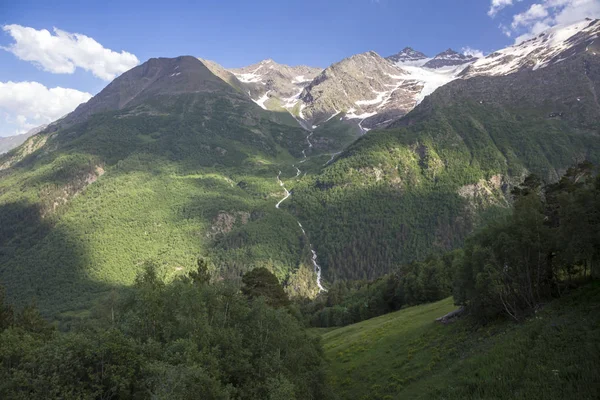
(8, 143)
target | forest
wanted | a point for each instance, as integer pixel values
(199, 336)
(185, 340)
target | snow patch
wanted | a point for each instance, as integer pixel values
(261, 101)
(539, 51)
(377, 100)
(250, 77)
(351, 115)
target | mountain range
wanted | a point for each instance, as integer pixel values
(345, 171)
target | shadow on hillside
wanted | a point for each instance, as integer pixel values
(368, 232)
(44, 262)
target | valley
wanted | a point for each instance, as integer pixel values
(291, 232)
(368, 199)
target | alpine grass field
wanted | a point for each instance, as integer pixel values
(555, 354)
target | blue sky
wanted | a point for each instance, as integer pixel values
(235, 33)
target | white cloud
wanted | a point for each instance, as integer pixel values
(534, 13)
(63, 52)
(547, 13)
(468, 51)
(533, 30)
(497, 5)
(29, 104)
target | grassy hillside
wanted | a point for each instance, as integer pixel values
(178, 177)
(406, 355)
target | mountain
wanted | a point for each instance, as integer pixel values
(10, 142)
(550, 47)
(156, 77)
(180, 157)
(168, 162)
(366, 88)
(419, 187)
(371, 91)
(449, 58)
(408, 56)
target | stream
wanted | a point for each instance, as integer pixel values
(317, 267)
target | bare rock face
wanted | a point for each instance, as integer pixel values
(224, 222)
(486, 192)
(360, 87)
(268, 80)
(56, 196)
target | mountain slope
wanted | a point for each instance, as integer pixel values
(406, 354)
(550, 47)
(400, 194)
(157, 166)
(272, 85)
(172, 161)
(366, 87)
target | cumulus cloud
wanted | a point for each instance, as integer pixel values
(26, 105)
(548, 13)
(469, 51)
(62, 52)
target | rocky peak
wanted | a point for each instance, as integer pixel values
(155, 77)
(361, 86)
(407, 55)
(449, 58)
(268, 79)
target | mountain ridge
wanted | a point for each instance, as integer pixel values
(172, 159)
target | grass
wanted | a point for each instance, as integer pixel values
(406, 355)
